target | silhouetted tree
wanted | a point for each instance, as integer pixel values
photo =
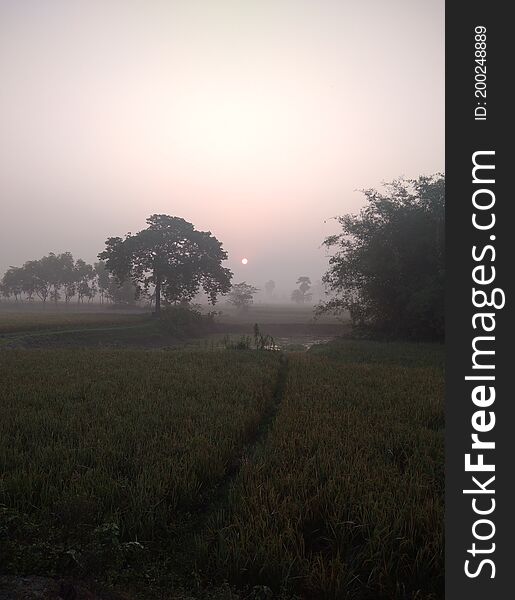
(302, 294)
(388, 268)
(12, 283)
(36, 279)
(103, 279)
(269, 287)
(242, 295)
(173, 257)
(50, 271)
(68, 275)
(48, 276)
(84, 278)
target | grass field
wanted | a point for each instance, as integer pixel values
(346, 497)
(223, 473)
(17, 323)
(100, 327)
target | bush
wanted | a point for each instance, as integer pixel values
(186, 320)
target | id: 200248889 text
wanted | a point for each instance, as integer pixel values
(480, 73)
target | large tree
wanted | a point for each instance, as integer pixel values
(388, 267)
(171, 256)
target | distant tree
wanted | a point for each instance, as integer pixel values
(171, 256)
(68, 275)
(84, 278)
(50, 276)
(4, 290)
(51, 272)
(28, 280)
(36, 279)
(122, 293)
(242, 295)
(296, 296)
(269, 287)
(103, 279)
(302, 293)
(388, 268)
(12, 283)
(318, 291)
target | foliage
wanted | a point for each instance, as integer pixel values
(171, 257)
(103, 280)
(270, 287)
(263, 342)
(257, 342)
(58, 277)
(241, 295)
(388, 267)
(302, 294)
(244, 342)
(186, 320)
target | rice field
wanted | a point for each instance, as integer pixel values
(51, 320)
(131, 438)
(346, 497)
(309, 475)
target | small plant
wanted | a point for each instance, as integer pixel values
(243, 343)
(263, 342)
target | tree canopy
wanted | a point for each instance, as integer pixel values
(172, 257)
(302, 294)
(388, 265)
(242, 295)
(51, 277)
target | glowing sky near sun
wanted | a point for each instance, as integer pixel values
(257, 120)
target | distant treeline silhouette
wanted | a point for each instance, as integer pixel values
(61, 278)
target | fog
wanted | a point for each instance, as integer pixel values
(255, 120)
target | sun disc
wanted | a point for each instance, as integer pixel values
(244, 261)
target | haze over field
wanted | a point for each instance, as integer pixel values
(255, 120)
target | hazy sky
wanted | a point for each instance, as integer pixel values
(255, 119)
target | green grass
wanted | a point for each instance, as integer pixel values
(266, 314)
(20, 322)
(408, 354)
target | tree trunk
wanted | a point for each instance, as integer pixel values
(158, 295)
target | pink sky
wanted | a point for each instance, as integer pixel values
(257, 120)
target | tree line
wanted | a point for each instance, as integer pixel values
(61, 278)
(387, 268)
